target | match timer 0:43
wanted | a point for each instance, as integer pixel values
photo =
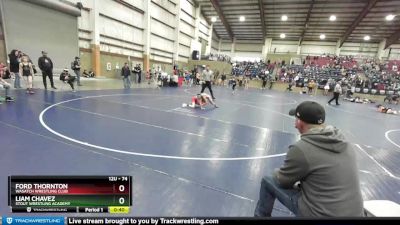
(85, 194)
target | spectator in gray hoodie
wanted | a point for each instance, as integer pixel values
(319, 177)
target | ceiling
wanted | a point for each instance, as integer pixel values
(307, 19)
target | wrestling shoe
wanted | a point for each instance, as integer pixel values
(9, 99)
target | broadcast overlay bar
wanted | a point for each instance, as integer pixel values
(82, 194)
(9, 220)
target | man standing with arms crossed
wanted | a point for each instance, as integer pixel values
(46, 66)
(206, 78)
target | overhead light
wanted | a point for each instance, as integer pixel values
(366, 38)
(242, 18)
(213, 19)
(332, 18)
(284, 18)
(390, 17)
(283, 35)
(322, 36)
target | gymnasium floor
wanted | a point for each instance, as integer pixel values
(184, 162)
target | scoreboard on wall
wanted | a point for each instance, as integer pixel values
(75, 194)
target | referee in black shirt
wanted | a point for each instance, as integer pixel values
(206, 77)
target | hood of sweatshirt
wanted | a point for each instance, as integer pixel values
(328, 138)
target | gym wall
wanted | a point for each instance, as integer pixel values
(115, 59)
(86, 59)
(165, 67)
(32, 28)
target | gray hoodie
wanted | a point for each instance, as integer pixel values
(325, 164)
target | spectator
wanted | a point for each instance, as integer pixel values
(246, 82)
(4, 72)
(271, 80)
(223, 78)
(138, 72)
(326, 88)
(319, 177)
(15, 59)
(85, 74)
(174, 80)
(188, 80)
(5, 85)
(91, 74)
(392, 99)
(311, 86)
(76, 67)
(291, 83)
(26, 70)
(264, 78)
(126, 74)
(394, 68)
(46, 66)
(66, 77)
(233, 82)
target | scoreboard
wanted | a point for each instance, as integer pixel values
(75, 194)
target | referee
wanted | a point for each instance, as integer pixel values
(206, 77)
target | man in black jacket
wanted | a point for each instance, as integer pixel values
(138, 71)
(46, 66)
(14, 58)
(126, 74)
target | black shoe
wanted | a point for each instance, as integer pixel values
(9, 99)
(53, 87)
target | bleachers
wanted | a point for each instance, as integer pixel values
(248, 69)
(391, 63)
(319, 75)
(384, 83)
(365, 75)
(253, 70)
(345, 62)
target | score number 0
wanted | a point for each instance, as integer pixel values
(121, 188)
